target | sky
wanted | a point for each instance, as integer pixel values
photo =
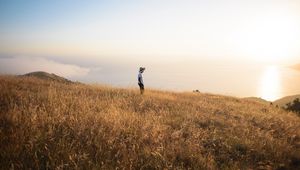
(82, 39)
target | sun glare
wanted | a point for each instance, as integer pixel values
(270, 84)
(269, 39)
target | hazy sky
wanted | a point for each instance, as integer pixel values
(260, 30)
(79, 37)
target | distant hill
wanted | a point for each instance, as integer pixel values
(285, 100)
(47, 76)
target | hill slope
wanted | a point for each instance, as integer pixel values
(285, 100)
(257, 99)
(46, 124)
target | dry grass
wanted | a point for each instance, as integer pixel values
(48, 125)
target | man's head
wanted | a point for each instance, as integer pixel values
(142, 69)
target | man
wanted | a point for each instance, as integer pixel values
(140, 79)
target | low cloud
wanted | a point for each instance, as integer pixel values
(296, 67)
(23, 64)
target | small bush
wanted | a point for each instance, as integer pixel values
(294, 106)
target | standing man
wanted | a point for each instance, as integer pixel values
(140, 79)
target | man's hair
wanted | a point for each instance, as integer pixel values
(142, 68)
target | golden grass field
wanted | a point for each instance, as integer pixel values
(51, 125)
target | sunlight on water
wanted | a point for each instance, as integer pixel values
(270, 87)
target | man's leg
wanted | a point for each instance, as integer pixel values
(142, 89)
(140, 85)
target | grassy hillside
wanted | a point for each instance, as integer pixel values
(46, 124)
